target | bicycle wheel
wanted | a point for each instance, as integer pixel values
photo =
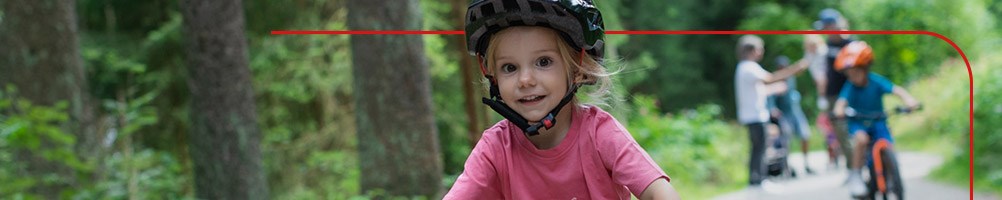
(892, 175)
(871, 185)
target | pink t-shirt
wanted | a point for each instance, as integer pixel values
(598, 159)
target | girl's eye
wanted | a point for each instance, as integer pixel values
(508, 68)
(544, 61)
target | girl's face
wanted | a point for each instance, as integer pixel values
(531, 75)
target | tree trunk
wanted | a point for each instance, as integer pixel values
(473, 88)
(397, 138)
(225, 138)
(40, 56)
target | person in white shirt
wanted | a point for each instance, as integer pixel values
(752, 85)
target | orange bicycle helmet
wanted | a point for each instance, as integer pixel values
(855, 54)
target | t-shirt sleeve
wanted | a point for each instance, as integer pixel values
(885, 85)
(844, 94)
(479, 178)
(627, 162)
(757, 72)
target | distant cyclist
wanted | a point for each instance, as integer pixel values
(832, 20)
(864, 94)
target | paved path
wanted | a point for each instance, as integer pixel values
(827, 182)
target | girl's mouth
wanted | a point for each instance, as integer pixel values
(531, 99)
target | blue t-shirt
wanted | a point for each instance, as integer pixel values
(786, 101)
(867, 100)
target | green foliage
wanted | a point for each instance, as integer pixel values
(339, 171)
(136, 73)
(157, 175)
(124, 15)
(26, 127)
(689, 140)
(987, 115)
(773, 16)
(134, 56)
(304, 99)
(444, 57)
(943, 114)
(304, 88)
(672, 68)
(899, 56)
(987, 149)
(987, 130)
(141, 77)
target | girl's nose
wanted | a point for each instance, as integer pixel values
(526, 77)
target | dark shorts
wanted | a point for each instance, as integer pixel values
(875, 129)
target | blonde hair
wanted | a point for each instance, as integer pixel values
(747, 44)
(590, 68)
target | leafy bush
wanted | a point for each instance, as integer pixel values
(987, 133)
(155, 175)
(988, 130)
(905, 58)
(695, 147)
(32, 133)
(304, 103)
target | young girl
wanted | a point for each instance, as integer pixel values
(535, 54)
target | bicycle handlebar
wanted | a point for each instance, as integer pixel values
(906, 110)
(852, 114)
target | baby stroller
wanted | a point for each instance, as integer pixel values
(778, 143)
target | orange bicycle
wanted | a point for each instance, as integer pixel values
(884, 172)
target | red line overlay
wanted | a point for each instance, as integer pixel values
(970, 74)
(611, 32)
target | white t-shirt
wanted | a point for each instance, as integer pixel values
(818, 65)
(750, 90)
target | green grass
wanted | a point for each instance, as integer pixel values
(942, 122)
(702, 153)
(987, 132)
(942, 127)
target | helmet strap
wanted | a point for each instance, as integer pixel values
(498, 105)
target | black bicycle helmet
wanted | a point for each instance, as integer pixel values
(578, 22)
